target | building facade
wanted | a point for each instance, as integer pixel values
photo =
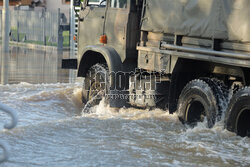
(50, 5)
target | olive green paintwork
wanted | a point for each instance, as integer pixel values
(119, 24)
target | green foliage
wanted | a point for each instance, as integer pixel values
(66, 36)
(66, 40)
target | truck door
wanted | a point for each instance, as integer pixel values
(116, 25)
(91, 22)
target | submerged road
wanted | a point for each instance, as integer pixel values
(53, 131)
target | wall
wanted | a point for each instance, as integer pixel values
(53, 5)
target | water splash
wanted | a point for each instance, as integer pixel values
(51, 121)
(92, 102)
(104, 111)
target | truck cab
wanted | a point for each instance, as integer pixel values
(111, 23)
(108, 33)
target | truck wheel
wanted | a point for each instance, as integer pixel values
(221, 92)
(96, 84)
(198, 100)
(238, 113)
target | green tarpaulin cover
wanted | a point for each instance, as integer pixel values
(223, 19)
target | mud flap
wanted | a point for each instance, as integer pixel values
(69, 64)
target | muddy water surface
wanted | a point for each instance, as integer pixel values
(53, 131)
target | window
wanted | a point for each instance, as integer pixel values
(118, 3)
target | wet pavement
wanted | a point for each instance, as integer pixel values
(53, 131)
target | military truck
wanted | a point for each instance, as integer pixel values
(185, 56)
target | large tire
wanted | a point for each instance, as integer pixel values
(238, 113)
(221, 93)
(96, 80)
(199, 99)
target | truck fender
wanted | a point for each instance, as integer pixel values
(95, 54)
(87, 59)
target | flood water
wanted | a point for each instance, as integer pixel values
(53, 131)
(36, 66)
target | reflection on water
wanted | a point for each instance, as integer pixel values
(35, 66)
(52, 131)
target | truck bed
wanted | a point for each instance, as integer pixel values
(228, 19)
